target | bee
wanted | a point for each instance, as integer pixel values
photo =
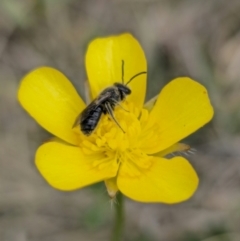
(105, 103)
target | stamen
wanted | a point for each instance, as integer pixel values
(110, 141)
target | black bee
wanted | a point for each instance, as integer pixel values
(103, 104)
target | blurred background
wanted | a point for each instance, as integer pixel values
(195, 38)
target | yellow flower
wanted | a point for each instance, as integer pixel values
(132, 162)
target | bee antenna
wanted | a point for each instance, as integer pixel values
(136, 75)
(122, 71)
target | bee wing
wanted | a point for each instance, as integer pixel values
(91, 107)
(77, 121)
(85, 113)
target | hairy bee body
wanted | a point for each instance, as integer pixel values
(89, 122)
(103, 104)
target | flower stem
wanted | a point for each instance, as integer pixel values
(117, 234)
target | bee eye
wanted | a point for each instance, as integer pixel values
(128, 91)
(123, 89)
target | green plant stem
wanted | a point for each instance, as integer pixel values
(117, 234)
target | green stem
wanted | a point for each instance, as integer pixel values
(117, 234)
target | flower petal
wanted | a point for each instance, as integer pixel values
(65, 167)
(182, 107)
(104, 65)
(50, 98)
(167, 181)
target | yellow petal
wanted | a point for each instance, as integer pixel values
(50, 98)
(166, 181)
(65, 167)
(182, 107)
(104, 65)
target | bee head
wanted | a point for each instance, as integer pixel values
(123, 89)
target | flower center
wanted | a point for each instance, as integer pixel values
(126, 144)
(108, 137)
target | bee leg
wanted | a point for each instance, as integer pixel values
(122, 107)
(117, 103)
(110, 112)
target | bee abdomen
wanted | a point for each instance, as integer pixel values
(90, 123)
